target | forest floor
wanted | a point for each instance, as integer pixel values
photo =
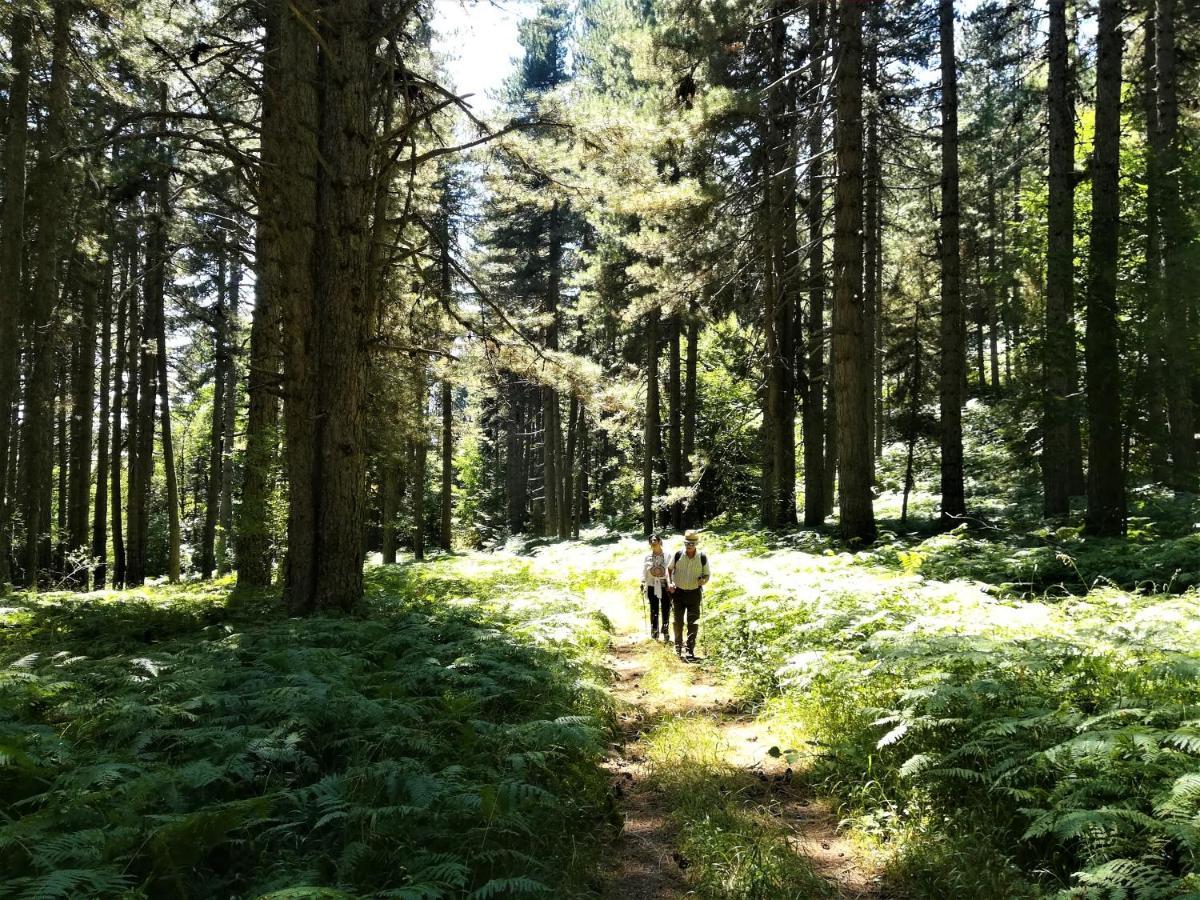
(718, 739)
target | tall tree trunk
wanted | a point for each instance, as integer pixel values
(650, 436)
(1059, 344)
(83, 388)
(571, 482)
(287, 99)
(514, 469)
(229, 410)
(168, 445)
(153, 299)
(953, 331)
(420, 474)
(551, 430)
(851, 374)
(122, 354)
(133, 358)
(392, 492)
(675, 430)
(813, 413)
(60, 468)
(778, 212)
(583, 494)
(336, 509)
(872, 215)
(212, 491)
(1175, 249)
(993, 277)
(100, 503)
(1157, 435)
(691, 391)
(254, 543)
(47, 190)
(12, 245)
(447, 538)
(1106, 485)
(288, 228)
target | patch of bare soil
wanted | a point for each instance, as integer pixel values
(645, 862)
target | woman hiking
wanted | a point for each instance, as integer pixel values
(656, 585)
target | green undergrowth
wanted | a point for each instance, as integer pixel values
(991, 746)
(193, 742)
(732, 848)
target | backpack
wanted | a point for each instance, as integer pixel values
(679, 553)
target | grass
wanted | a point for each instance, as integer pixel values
(733, 846)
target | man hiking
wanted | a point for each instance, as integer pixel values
(656, 586)
(688, 572)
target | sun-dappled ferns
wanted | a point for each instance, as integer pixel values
(180, 742)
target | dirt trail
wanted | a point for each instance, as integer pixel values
(646, 863)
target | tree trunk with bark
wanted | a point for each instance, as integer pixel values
(48, 187)
(212, 490)
(851, 374)
(12, 246)
(813, 413)
(229, 405)
(1059, 343)
(447, 538)
(1106, 484)
(83, 388)
(1176, 247)
(103, 459)
(953, 332)
(675, 429)
(122, 354)
(650, 435)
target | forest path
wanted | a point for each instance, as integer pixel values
(653, 689)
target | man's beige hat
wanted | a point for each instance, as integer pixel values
(691, 537)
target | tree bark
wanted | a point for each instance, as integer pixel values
(516, 494)
(392, 491)
(224, 556)
(168, 444)
(1157, 435)
(212, 491)
(12, 245)
(1175, 249)
(675, 430)
(953, 332)
(1059, 345)
(83, 388)
(813, 413)
(48, 189)
(133, 358)
(122, 354)
(447, 538)
(851, 374)
(650, 435)
(103, 459)
(872, 215)
(281, 182)
(691, 391)
(420, 449)
(290, 146)
(1106, 484)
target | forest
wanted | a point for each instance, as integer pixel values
(337, 403)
